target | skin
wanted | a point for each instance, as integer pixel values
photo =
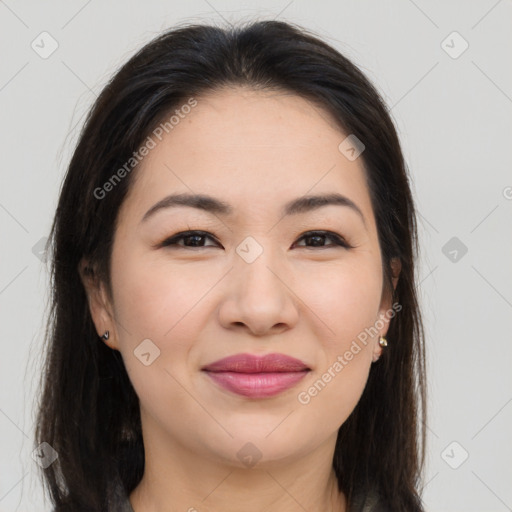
(255, 151)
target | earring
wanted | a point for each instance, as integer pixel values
(106, 335)
(383, 342)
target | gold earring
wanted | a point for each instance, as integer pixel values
(383, 342)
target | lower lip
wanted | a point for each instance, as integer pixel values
(257, 385)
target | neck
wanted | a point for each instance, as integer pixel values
(177, 478)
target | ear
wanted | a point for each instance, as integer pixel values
(386, 312)
(99, 305)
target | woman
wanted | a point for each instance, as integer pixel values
(234, 320)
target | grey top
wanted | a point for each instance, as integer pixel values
(119, 502)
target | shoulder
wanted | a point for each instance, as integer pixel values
(371, 501)
(367, 502)
(118, 499)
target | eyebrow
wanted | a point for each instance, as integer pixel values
(216, 206)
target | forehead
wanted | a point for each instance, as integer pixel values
(254, 149)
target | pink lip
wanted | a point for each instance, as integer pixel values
(257, 376)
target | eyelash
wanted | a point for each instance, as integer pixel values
(338, 240)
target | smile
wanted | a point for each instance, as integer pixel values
(257, 376)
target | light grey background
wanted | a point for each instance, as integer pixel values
(454, 119)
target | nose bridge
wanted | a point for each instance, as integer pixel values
(256, 266)
(258, 296)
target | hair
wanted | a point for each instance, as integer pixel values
(88, 410)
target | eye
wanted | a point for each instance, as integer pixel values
(197, 239)
(316, 238)
(189, 238)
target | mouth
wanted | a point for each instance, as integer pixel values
(257, 376)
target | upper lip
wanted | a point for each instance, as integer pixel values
(248, 363)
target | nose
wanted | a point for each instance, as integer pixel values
(259, 297)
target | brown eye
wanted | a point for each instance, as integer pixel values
(197, 239)
(316, 239)
(190, 239)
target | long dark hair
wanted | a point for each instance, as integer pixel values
(88, 410)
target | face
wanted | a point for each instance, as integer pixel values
(261, 277)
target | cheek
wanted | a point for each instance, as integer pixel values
(154, 300)
(347, 304)
(165, 304)
(156, 303)
(346, 300)
(344, 296)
